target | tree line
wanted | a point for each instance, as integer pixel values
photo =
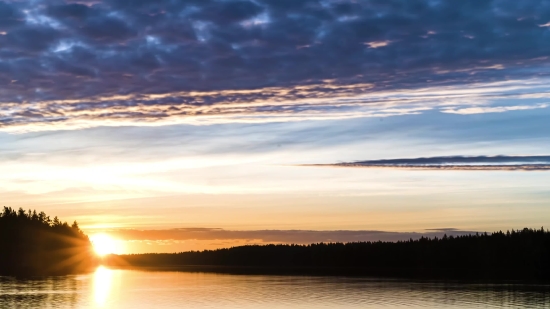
(516, 254)
(32, 243)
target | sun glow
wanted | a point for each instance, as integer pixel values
(103, 244)
(103, 278)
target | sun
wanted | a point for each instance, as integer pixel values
(103, 244)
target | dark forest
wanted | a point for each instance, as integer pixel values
(32, 244)
(513, 255)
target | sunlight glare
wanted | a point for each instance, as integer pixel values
(103, 244)
(102, 285)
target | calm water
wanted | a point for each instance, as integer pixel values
(139, 289)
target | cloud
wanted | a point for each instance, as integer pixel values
(278, 236)
(378, 44)
(323, 101)
(105, 62)
(492, 109)
(507, 163)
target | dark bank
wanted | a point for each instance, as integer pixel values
(512, 255)
(33, 244)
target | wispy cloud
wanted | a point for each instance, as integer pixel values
(328, 100)
(507, 163)
(491, 109)
(278, 236)
(378, 44)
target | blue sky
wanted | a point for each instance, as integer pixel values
(200, 114)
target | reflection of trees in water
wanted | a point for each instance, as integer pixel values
(56, 292)
(149, 289)
(494, 295)
(34, 244)
(71, 291)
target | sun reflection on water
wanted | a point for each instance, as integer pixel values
(103, 279)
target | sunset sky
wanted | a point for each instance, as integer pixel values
(179, 125)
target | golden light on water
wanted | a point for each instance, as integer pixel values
(104, 244)
(103, 278)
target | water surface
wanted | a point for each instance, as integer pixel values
(108, 288)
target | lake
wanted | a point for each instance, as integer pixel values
(106, 288)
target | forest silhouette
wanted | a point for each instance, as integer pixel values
(522, 255)
(32, 244)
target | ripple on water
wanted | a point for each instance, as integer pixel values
(138, 289)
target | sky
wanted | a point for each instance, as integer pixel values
(200, 124)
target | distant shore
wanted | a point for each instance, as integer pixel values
(516, 255)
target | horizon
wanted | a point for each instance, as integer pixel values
(175, 126)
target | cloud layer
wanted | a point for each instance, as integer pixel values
(526, 163)
(84, 63)
(278, 236)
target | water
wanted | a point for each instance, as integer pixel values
(140, 289)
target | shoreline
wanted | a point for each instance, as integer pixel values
(459, 275)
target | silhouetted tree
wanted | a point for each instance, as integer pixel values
(33, 244)
(522, 254)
